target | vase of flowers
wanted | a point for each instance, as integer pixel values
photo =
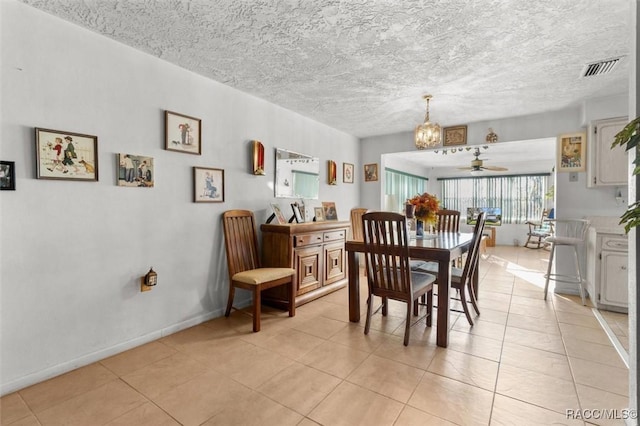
(426, 206)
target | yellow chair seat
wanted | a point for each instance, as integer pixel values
(263, 275)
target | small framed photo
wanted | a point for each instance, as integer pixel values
(135, 171)
(297, 213)
(329, 210)
(182, 133)
(347, 172)
(572, 150)
(456, 135)
(277, 213)
(66, 155)
(370, 172)
(208, 185)
(318, 213)
(7, 175)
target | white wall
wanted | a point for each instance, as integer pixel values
(71, 253)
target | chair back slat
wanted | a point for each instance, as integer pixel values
(474, 250)
(241, 241)
(448, 221)
(387, 254)
(356, 224)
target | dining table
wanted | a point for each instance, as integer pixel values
(440, 247)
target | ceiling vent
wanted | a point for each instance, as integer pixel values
(600, 67)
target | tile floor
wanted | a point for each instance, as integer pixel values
(525, 361)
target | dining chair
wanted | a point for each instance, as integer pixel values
(356, 223)
(462, 279)
(448, 220)
(567, 233)
(243, 261)
(389, 275)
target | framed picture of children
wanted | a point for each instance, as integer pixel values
(7, 176)
(66, 155)
(135, 171)
(208, 185)
(182, 133)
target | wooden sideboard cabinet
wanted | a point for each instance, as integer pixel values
(315, 250)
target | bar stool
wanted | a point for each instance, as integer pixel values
(569, 233)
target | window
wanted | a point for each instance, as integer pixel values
(521, 198)
(400, 186)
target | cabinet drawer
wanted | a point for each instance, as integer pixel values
(335, 235)
(307, 239)
(615, 243)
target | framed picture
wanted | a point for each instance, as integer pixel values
(135, 171)
(208, 185)
(182, 133)
(370, 172)
(572, 151)
(275, 208)
(319, 214)
(7, 176)
(347, 172)
(66, 155)
(456, 135)
(297, 213)
(332, 172)
(329, 210)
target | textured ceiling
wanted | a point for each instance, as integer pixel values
(363, 66)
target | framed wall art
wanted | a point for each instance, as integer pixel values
(7, 176)
(208, 185)
(347, 172)
(332, 172)
(182, 133)
(66, 155)
(257, 151)
(370, 172)
(135, 171)
(456, 135)
(572, 151)
(329, 210)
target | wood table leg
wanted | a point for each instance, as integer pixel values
(444, 285)
(354, 286)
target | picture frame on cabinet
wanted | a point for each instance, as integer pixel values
(135, 171)
(329, 210)
(183, 133)
(572, 152)
(7, 176)
(319, 214)
(208, 185)
(62, 155)
(277, 214)
(347, 172)
(297, 213)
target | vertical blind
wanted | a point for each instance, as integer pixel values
(520, 197)
(400, 186)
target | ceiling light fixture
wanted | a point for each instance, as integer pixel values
(427, 134)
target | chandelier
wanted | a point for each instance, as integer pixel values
(427, 134)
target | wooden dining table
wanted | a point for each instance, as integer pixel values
(441, 247)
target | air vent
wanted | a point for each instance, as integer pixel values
(600, 68)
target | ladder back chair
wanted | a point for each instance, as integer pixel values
(389, 275)
(448, 221)
(462, 279)
(243, 261)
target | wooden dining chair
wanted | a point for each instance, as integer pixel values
(448, 221)
(389, 275)
(462, 279)
(356, 223)
(243, 261)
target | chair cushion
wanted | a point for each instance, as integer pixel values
(432, 268)
(263, 275)
(564, 241)
(421, 280)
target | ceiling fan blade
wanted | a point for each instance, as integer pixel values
(495, 168)
(464, 168)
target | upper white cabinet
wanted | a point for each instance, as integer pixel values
(607, 167)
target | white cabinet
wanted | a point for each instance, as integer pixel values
(607, 259)
(607, 167)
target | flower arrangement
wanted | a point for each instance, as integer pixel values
(426, 207)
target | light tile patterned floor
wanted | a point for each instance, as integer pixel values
(525, 361)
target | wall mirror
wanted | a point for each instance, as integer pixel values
(297, 175)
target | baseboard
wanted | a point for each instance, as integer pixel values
(65, 367)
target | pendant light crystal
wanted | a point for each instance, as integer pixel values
(427, 134)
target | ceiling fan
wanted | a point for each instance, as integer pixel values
(477, 165)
